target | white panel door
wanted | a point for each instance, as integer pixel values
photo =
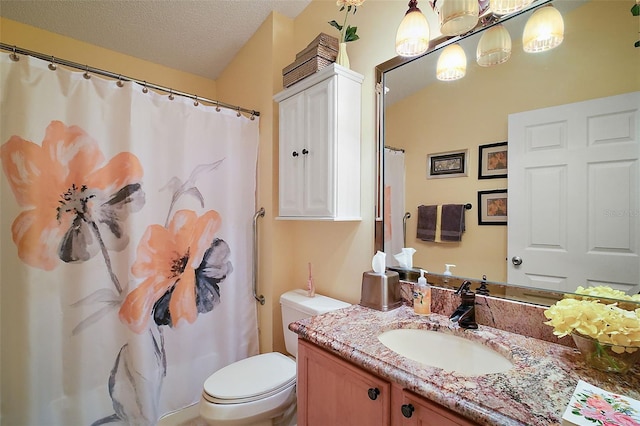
(573, 195)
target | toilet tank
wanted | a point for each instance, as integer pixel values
(296, 305)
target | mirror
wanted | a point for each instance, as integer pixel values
(596, 59)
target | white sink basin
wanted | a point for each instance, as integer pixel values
(445, 351)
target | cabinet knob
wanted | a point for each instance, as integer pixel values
(305, 151)
(373, 393)
(407, 410)
(295, 153)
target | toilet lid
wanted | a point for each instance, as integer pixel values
(252, 378)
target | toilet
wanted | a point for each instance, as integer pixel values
(261, 390)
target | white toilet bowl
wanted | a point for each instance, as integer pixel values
(260, 390)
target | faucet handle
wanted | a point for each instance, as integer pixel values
(464, 287)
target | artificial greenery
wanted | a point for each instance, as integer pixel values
(347, 32)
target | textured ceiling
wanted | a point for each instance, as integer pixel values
(197, 36)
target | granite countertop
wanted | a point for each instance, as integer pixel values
(535, 391)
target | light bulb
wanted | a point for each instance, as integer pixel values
(412, 38)
(458, 16)
(494, 46)
(504, 7)
(544, 30)
(452, 63)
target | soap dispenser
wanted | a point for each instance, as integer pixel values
(447, 270)
(422, 296)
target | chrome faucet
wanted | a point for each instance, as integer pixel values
(465, 314)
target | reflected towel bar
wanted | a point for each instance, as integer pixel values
(406, 216)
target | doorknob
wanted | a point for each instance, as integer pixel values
(516, 260)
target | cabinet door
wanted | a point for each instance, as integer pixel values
(412, 410)
(319, 143)
(334, 392)
(291, 180)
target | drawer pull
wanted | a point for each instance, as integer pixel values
(407, 410)
(373, 393)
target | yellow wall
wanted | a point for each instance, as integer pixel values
(341, 252)
(594, 63)
(35, 39)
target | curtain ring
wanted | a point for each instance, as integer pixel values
(119, 83)
(196, 103)
(13, 56)
(171, 97)
(86, 74)
(52, 64)
(253, 116)
(238, 113)
(144, 88)
(217, 106)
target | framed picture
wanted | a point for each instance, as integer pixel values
(492, 161)
(447, 164)
(492, 207)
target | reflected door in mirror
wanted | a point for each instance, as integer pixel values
(573, 194)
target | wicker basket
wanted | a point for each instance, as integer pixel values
(303, 70)
(324, 40)
(322, 51)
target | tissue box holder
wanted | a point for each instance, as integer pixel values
(381, 291)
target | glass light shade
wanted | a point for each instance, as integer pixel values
(494, 46)
(458, 16)
(452, 63)
(412, 38)
(544, 30)
(503, 7)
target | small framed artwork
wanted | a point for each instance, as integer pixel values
(447, 164)
(492, 207)
(492, 161)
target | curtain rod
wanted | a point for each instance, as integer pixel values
(394, 149)
(146, 85)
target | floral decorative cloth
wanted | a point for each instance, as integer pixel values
(126, 255)
(593, 406)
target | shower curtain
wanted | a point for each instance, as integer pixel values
(125, 273)
(394, 208)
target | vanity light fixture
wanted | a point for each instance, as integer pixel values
(458, 16)
(504, 7)
(543, 31)
(412, 38)
(494, 46)
(452, 63)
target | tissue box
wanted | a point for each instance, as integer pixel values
(381, 291)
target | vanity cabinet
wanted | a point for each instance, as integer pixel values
(319, 146)
(332, 391)
(410, 409)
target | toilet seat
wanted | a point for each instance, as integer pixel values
(251, 379)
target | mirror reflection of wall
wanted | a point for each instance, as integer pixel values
(596, 59)
(394, 204)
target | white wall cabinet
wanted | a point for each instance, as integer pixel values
(319, 149)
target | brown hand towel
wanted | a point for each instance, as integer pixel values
(427, 216)
(452, 222)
